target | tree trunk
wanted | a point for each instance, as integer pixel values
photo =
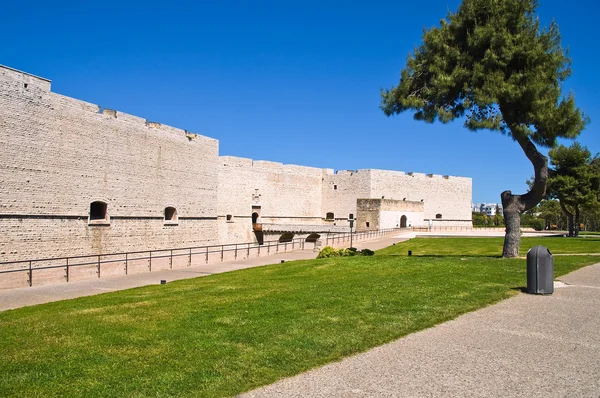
(514, 205)
(576, 229)
(569, 215)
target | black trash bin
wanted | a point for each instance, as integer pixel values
(540, 271)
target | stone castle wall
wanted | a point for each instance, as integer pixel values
(376, 214)
(280, 194)
(341, 190)
(445, 195)
(60, 154)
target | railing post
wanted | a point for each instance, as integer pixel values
(236, 251)
(248, 252)
(171, 260)
(30, 275)
(258, 251)
(126, 263)
(150, 262)
(67, 270)
(190, 259)
(206, 254)
(98, 272)
(222, 249)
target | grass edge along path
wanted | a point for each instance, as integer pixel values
(228, 333)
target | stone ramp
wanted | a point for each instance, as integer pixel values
(525, 346)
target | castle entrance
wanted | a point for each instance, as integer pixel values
(403, 222)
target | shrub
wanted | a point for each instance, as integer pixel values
(366, 252)
(351, 251)
(537, 224)
(328, 251)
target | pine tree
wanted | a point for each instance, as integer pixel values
(493, 65)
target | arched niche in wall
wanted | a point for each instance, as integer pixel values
(286, 237)
(312, 237)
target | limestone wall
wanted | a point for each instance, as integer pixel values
(340, 192)
(60, 154)
(376, 214)
(280, 194)
(446, 195)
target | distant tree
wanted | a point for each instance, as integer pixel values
(552, 214)
(574, 181)
(479, 219)
(591, 218)
(491, 63)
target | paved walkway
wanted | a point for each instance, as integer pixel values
(20, 297)
(528, 345)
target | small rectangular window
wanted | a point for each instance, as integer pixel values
(170, 216)
(98, 213)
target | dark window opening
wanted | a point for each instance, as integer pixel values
(335, 187)
(367, 224)
(25, 85)
(351, 216)
(98, 211)
(229, 217)
(254, 218)
(438, 216)
(170, 214)
(329, 216)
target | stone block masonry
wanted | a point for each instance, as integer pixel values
(60, 155)
(78, 179)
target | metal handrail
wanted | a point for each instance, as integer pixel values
(98, 259)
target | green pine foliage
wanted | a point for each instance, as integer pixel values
(493, 64)
(575, 181)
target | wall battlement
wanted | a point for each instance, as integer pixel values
(26, 82)
(234, 161)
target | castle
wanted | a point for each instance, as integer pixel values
(78, 179)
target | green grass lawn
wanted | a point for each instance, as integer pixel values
(589, 233)
(489, 246)
(228, 333)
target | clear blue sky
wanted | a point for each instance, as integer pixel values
(294, 82)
